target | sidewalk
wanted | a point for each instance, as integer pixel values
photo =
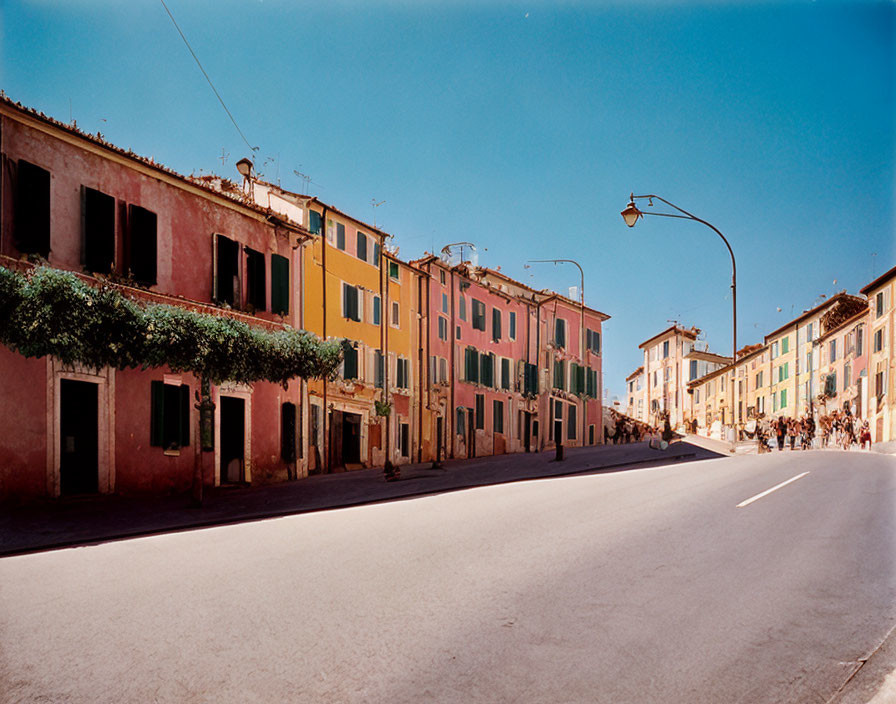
(85, 520)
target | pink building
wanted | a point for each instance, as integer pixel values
(86, 206)
(505, 363)
(842, 358)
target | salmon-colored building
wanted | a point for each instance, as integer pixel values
(85, 206)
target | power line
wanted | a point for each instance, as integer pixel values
(220, 100)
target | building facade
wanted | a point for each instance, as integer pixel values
(881, 413)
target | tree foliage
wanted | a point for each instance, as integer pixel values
(53, 312)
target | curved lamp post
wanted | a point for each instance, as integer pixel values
(631, 214)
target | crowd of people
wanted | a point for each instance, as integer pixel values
(839, 429)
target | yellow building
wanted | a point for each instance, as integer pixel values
(881, 295)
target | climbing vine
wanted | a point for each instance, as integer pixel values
(53, 312)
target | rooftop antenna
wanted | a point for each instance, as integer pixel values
(375, 205)
(305, 180)
(223, 157)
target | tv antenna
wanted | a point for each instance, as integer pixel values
(376, 204)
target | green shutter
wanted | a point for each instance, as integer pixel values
(157, 414)
(580, 380)
(340, 236)
(350, 368)
(184, 415)
(279, 284)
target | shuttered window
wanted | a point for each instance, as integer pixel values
(141, 244)
(255, 283)
(314, 222)
(98, 221)
(512, 326)
(401, 373)
(505, 374)
(478, 315)
(480, 412)
(377, 310)
(560, 375)
(350, 362)
(376, 253)
(170, 415)
(340, 236)
(560, 332)
(279, 284)
(378, 369)
(32, 210)
(471, 365)
(350, 308)
(496, 325)
(226, 282)
(498, 416)
(362, 246)
(530, 379)
(571, 422)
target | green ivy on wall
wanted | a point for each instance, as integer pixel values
(53, 312)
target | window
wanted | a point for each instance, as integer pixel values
(288, 432)
(591, 383)
(592, 340)
(442, 276)
(879, 305)
(498, 416)
(478, 315)
(376, 253)
(32, 210)
(759, 380)
(480, 412)
(530, 379)
(377, 310)
(314, 222)
(141, 244)
(170, 416)
(505, 374)
(350, 306)
(696, 395)
(847, 376)
(379, 368)
(665, 349)
(496, 325)
(403, 440)
(459, 424)
(879, 384)
(560, 374)
(255, 279)
(393, 271)
(878, 340)
(560, 332)
(401, 373)
(396, 318)
(571, 422)
(279, 284)
(462, 307)
(860, 340)
(693, 370)
(226, 283)
(331, 231)
(444, 302)
(471, 365)
(833, 352)
(349, 362)
(443, 328)
(774, 350)
(443, 369)
(98, 219)
(512, 324)
(487, 370)
(340, 236)
(809, 337)
(362, 246)
(785, 345)
(783, 398)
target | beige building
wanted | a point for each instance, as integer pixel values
(665, 373)
(634, 388)
(793, 382)
(881, 294)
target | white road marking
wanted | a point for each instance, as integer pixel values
(769, 491)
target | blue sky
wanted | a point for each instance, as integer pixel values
(523, 127)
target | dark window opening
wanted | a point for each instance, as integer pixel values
(170, 417)
(255, 280)
(142, 225)
(404, 440)
(32, 210)
(480, 411)
(288, 432)
(340, 236)
(350, 308)
(350, 363)
(227, 271)
(362, 246)
(498, 416)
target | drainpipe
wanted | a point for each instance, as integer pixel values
(452, 413)
(325, 458)
(420, 363)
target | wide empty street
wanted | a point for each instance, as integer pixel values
(686, 583)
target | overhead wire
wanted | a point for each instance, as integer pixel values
(199, 64)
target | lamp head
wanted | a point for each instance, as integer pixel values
(631, 214)
(244, 166)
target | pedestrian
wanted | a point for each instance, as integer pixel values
(781, 431)
(865, 435)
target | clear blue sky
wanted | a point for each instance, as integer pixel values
(523, 127)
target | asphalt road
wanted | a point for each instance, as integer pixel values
(642, 586)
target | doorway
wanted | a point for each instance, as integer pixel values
(78, 437)
(527, 430)
(233, 440)
(345, 439)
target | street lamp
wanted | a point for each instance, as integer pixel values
(582, 331)
(632, 213)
